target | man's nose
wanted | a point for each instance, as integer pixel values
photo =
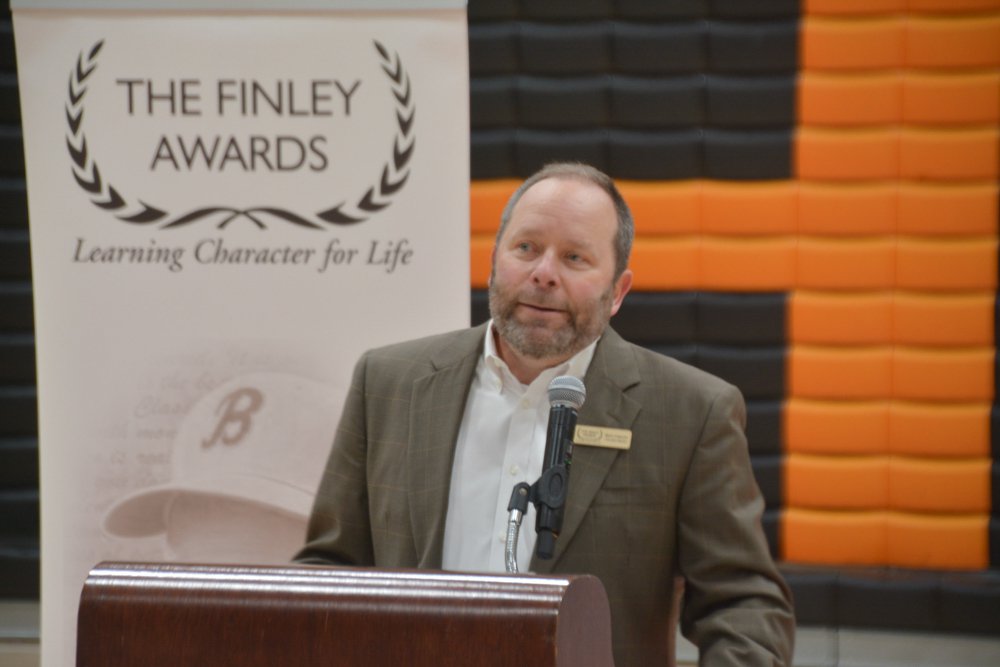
(545, 273)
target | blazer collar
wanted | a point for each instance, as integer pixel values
(612, 371)
(437, 403)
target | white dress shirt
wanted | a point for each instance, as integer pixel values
(501, 442)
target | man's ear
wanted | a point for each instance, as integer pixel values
(621, 288)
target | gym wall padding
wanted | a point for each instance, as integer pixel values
(816, 201)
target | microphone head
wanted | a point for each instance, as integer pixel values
(568, 391)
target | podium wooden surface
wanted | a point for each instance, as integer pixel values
(169, 614)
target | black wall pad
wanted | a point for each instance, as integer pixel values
(15, 256)
(971, 603)
(479, 306)
(7, 59)
(573, 103)
(18, 463)
(758, 372)
(493, 10)
(746, 155)
(11, 152)
(683, 353)
(658, 102)
(814, 592)
(16, 308)
(661, 9)
(758, 47)
(665, 155)
(764, 427)
(758, 9)
(995, 487)
(767, 471)
(742, 319)
(493, 49)
(17, 359)
(583, 48)
(10, 102)
(492, 154)
(13, 204)
(750, 101)
(19, 574)
(889, 599)
(567, 10)
(657, 318)
(491, 102)
(18, 411)
(659, 48)
(18, 513)
(771, 523)
(535, 148)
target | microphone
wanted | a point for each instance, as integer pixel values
(566, 396)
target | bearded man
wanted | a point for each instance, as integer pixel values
(436, 432)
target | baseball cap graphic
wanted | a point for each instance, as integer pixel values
(257, 440)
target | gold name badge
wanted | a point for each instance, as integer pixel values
(602, 436)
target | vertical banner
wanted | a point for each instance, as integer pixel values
(227, 206)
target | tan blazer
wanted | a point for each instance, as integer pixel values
(682, 500)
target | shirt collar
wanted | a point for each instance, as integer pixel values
(576, 365)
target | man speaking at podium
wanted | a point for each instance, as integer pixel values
(436, 432)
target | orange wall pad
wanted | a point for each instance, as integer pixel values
(942, 375)
(758, 265)
(838, 99)
(834, 538)
(959, 42)
(847, 209)
(841, 374)
(941, 265)
(480, 260)
(853, 7)
(935, 209)
(829, 318)
(737, 209)
(665, 207)
(949, 154)
(935, 319)
(937, 542)
(855, 44)
(951, 6)
(836, 482)
(929, 485)
(939, 429)
(670, 263)
(845, 264)
(836, 427)
(846, 155)
(486, 202)
(952, 98)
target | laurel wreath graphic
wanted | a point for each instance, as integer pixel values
(395, 172)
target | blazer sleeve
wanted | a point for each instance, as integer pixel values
(339, 531)
(737, 609)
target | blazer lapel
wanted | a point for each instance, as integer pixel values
(437, 404)
(612, 370)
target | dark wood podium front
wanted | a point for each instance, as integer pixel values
(175, 615)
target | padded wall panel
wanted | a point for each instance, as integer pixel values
(753, 47)
(818, 482)
(658, 319)
(492, 10)
(758, 372)
(664, 207)
(13, 204)
(18, 411)
(744, 155)
(487, 200)
(656, 155)
(11, 152)
(849, 428)
(767, 472)
(18, 513)
(569, 103)
(566, 48)
(16, 307)
(970, 604)
(917, 319)
(17, 359)
(942, 99)
(18, 463)
(759, 9)
(10, 102)
(937, 541)
(844, 538)
(867, 263)
(493, 48)
(952, 42)
(567, 10)
(759, 208)
(535, 148)
(657, 102)
(835, 99)
(741, 319)
(846, 209)
(935, 485)
(950, 430)
(760, 101)
(493, 153)
(19, 569)
(948, 209)
(764, 433)
(491, 102)
(844, 44)
(887, 599)
(15, 257)
(830, 318)
(659, 48)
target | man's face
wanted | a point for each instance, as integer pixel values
(552, 290)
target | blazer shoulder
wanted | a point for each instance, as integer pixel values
(429, 352)
(667, 370)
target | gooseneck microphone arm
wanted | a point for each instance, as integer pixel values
(548, 494)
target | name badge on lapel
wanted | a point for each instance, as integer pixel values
(602, 436)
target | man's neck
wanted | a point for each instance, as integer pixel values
(524, 368)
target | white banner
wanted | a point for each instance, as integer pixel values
(226, 208)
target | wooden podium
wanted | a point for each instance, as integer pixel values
(168, 614)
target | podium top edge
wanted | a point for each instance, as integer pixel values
(237, 5)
